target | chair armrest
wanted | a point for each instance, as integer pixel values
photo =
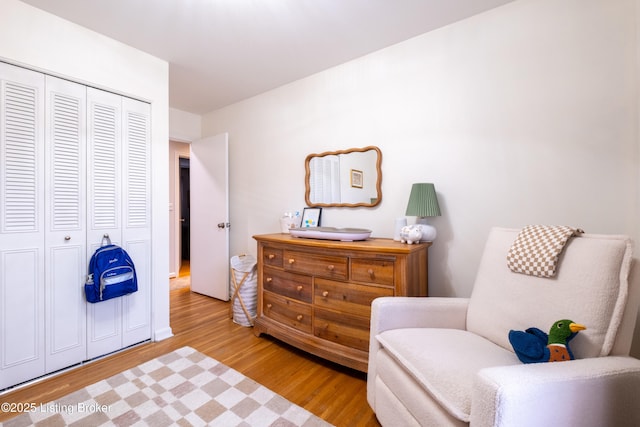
(410, 312)
(588, 392)
(417, 312)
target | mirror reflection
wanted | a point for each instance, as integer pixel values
(347, 178)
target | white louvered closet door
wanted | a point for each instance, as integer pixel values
(136, 310)
(104, 198)
(118, 167)
(65, 213)
(74, 166)
(21, 225)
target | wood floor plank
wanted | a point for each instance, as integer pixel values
(332, 392)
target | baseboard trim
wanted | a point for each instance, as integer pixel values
(162, 334)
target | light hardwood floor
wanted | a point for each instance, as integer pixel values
(332, 392)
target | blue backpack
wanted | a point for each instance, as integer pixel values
(111, 273)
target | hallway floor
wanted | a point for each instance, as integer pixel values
(184, 277)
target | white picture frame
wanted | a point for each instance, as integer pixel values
(311, 217)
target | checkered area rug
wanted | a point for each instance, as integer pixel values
(183, 388)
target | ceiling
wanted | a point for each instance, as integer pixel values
(223, 51)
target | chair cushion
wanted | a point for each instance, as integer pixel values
(590, 288)
(438, 359)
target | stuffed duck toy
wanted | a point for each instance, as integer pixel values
(534, 346)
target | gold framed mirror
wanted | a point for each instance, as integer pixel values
(344, 178)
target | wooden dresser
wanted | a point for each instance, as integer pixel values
(316, 294)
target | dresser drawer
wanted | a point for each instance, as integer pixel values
(342, 328)
(347, 297)
(287, 312)
(291, 285)
(333, 267)
(272, 256)
(376, 271)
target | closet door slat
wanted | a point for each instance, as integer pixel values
(105, 139)
(67, 140)
(20, 158)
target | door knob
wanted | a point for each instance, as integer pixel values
(224, 225)
(221, 225)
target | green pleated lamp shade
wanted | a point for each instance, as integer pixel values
(423, 201)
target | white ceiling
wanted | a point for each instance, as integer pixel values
(223, 51)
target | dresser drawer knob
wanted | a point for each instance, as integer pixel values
(325, 293)
(299, 288)
(269, 305)
(370, 271)
(299, 317)
(269, 279)
(331, 267)
(291, 260)
(271, 256)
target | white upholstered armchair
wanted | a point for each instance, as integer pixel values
(448, 361)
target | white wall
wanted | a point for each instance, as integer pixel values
(184, 126)
(525, 114)
(38, 40)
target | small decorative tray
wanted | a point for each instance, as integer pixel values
(331, 233)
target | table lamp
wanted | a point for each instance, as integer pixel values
(423, 203)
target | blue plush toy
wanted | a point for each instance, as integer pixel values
(534, 346)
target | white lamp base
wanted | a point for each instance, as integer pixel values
(429, 232)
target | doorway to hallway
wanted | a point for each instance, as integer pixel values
(185, 210)
(183, 183)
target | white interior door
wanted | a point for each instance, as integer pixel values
(209, 199)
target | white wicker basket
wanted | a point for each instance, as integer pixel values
(243, 289)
